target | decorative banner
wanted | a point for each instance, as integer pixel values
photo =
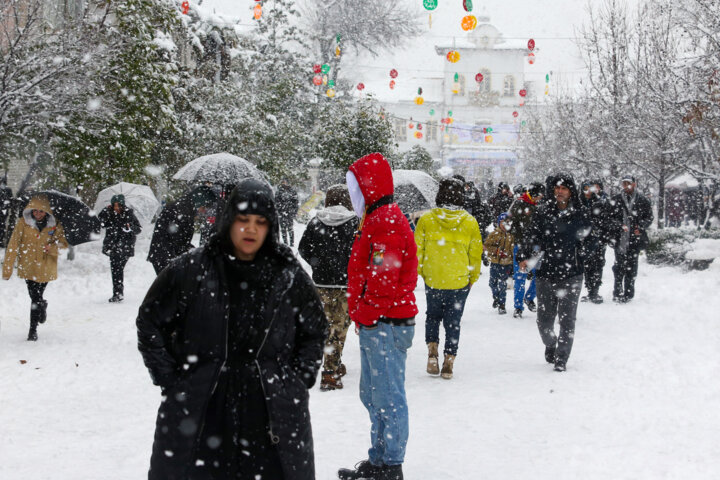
(453, 56)
(317, 80)
(468, 23)
(361, 86)
(430, 4)
(467, 5)
(257, 11)
(522, 93)
(317, 68)
(185, 7)
(392, 84)
(330, 93)
(531, 44)
(393, 73)
(479, 78)
(531, 58)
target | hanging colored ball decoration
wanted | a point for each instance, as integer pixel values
(411, 125)
(515, 114)
(522, 93)
(337, 51)
(419, 100)
(455, 88)
(185, 7)
(456, 77)
(257, 11)
(547, 78)
(547, 90)
(330, 92)
(469, 22)
(467, 5)
(430, 4)
(449, 113)
(479, 78)
(419, 90)
(531, 58)
(488, 139)
(331, 83)
(361, 86)
(325, 68)
(393, 73)
(325, 79)
(317, 80)
(317, 68)
(531, 44)
(453, 56)
(432, 112)
(419, 127)
(523, 123)
(418, 135)
(392, 84)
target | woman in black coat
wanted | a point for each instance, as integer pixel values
(121, 229)
(233, 333)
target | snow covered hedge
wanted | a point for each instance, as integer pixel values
(690, 247)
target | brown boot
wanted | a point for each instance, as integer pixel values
(330, 381)
(433, 367)
(447, 368)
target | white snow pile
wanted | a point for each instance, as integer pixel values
(704, 249)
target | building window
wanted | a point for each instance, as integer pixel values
(432, 131)
(509, 86)
(401, 129)
(486, 84)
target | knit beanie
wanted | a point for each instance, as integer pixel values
(451, 193)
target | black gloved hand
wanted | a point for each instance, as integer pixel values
(485, 260)
(530, 275)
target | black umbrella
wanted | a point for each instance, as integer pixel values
(79, 224)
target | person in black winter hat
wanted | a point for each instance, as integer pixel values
(451, 193)
(555, 245)
(598, 205)
(501, 201)
(326, 245)
(121, 229)
(233, 333)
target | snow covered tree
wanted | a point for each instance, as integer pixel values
(417, 158)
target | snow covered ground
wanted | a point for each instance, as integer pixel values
(639, 400)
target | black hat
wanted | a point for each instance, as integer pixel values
(250, 197)
(566, 179)
(457, 176)
(503, 186)
(535, 189)
(451, 193)
(628, 178)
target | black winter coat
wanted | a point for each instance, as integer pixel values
(641, 218)
(182, 335)
(475, 206)
(600, 213)
(173, 232)
(499, 203)
(327, 249)
(286, 200)
(121, 230)
(557, 237)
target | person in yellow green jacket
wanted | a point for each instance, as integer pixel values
(35, 245)
(449, 249)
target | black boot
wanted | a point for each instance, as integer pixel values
(550, 354)
(517, 313)
(629, 288)
(496, 302)
(531, 305)
(32, 334)
(618, 290)
(391, 472)
(42, 316)
(363, 470)
(501, 309)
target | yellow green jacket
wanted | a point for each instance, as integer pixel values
(449, 248)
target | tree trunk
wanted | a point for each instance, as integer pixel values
(661, 201)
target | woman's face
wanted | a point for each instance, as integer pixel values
(248, 234)
(38, 215)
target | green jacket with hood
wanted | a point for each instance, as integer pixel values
(449, 248)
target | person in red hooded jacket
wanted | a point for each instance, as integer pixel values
(382, 275)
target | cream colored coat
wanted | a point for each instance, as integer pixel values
(27, 245)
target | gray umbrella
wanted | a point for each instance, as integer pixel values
(220, 168)
(414, 190)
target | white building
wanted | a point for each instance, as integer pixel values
(482, 140)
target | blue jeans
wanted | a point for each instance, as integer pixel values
(519, 283)
(445, 306)
(383, 351)
(498, 281)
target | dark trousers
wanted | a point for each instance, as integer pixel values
(625, 270)
(445, 306)
(38, 306)
(498, 281)
(558, 298)
(117, 269)
(286, 230)
(594, 264)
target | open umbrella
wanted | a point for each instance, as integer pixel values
(220, 168)
(79, 223)
(139, 197)
(414, 190)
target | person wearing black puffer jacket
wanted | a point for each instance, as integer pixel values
(594, 199)
(121, 229)
(233, 333)
(326, 245)
(555, 245)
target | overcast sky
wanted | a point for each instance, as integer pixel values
(551, 23)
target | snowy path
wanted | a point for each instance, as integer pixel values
(639, 400)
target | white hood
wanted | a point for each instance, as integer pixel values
(356, 196)
(335, 215)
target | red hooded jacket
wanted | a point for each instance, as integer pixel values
(382, 272)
